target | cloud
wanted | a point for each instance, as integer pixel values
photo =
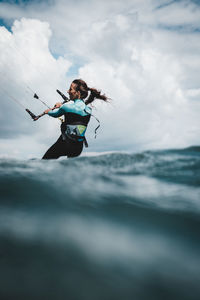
(181, 13)
(26, 63)
(137, 52)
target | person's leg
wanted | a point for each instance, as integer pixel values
(73, 149)
(56, 150)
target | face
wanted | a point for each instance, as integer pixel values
(73, 94)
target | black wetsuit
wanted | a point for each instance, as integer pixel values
(62, 147)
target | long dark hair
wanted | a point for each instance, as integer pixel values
(81, 86)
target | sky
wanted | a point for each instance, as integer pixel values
(143, 54)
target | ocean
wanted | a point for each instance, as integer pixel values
(107, 227)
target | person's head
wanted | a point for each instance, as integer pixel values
(79, 90)
(73, 92)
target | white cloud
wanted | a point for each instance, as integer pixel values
(26, 63)
(179, 13)
(150, 73)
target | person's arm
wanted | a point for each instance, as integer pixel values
(56, 111)
(66, 107)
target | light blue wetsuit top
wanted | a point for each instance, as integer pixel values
(77, 106)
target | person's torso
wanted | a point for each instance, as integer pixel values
(77, 117)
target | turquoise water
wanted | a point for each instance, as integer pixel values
(110, 226)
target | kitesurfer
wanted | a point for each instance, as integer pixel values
(77, 114)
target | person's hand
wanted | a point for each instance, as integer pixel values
(57, 105)
(47, 110)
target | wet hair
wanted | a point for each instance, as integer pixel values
(81, 86)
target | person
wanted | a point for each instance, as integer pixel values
(77, 115)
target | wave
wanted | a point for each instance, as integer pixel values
(101, 227)
(167, 178)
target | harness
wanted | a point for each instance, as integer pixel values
(75, 132)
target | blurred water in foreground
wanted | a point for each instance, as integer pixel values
(107, 227)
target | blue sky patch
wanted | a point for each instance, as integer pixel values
(6, 23)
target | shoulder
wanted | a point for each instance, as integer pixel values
(77, 106)
(66, 107)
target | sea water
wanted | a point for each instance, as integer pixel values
(107, 227)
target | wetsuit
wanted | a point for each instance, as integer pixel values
(77, 115)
